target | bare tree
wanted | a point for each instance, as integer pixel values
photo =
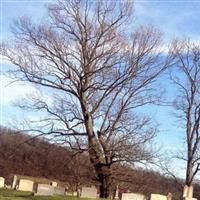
(187, 103)
(97, 72)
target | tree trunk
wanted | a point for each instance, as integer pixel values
(189, 172)
(104, 175)
(102, 170)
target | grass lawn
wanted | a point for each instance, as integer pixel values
(7, 194)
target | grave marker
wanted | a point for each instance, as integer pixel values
(54, 184)
(68, 193)
(186, 198)
(14, 182)
(117, 193)
(44, 190)
(133, 196)
(158, 197)
(2, 182)
(59, 191)
(25, 185)
(169, 196)
(188, 192)
(89, 192)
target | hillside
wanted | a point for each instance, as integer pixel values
(39, 158)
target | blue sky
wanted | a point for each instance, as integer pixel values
(178, 18)
(175, 18)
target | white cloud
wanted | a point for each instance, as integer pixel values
(4, 61)
(11, 92)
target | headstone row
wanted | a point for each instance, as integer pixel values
(85, 192)
(136, 196)
(39, 189)
(49, 190)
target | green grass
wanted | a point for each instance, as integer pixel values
(7, 194)
(13, 195)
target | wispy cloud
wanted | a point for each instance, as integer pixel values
(13, 91)
(4, 61)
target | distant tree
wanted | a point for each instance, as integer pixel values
(187, 103)
(97, 72)
(80, 171)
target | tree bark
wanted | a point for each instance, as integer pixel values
(189, 171)
(102, 171)
(104, 175)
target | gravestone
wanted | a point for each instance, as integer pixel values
(25, 185)
(59, 191)
(169, 196)
(133, 196)
(186, 198)
(44, 190)
(2, 182)
(54, 184)
(8, 186)
(89, 192)
(158, 197)
(187, 192)
(68, 193)
(14, 182)
(117, 193)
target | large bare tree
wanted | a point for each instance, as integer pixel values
(187, 103)
(97, 70)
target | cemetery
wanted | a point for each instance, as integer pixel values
(28, 189)
(100, 100)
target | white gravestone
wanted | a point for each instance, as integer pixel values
(8, 186)
(158, 197)
(89, 192)
(54, 184)
(14, 182)
(59, 191)
(72, 193)
(133, 196)
(185, 191)
(169, 196)
(188, 192)
(25, 185)
(44, 190)
(2, 182)
(117, 193)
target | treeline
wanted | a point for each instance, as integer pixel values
(22, 154)
(25, 155)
